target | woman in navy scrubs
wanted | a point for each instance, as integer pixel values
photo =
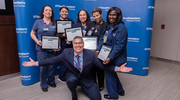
(64, 11)
(115, 36)
(45, 26)
(83, 18)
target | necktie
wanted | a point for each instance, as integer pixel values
(77, 63)
(77, 58)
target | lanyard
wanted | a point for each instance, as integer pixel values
(78, 63)
(106, 35)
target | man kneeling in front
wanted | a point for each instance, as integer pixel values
(80, 63)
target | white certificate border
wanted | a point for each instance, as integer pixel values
(61, 21)
(73, 28)
(49, 48)
(107, 47)
(87, 37)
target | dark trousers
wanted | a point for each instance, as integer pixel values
(73, 81)
(62, 71)
(46, 73)
(98, 76)
(62, 68)
(113, 84)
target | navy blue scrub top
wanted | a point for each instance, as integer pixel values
(38, 27)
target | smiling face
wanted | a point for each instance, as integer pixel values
(97, 17)
(78, 45)
(112, 17)
(82, 16)
(64, 13)
(47, 12)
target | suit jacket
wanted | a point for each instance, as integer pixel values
(89, 61)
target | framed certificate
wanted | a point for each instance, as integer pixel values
(90, 42)
(62, 25)
(50, 42)
(72, 32)
(104, 52)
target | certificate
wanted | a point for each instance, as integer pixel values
(104, 52)
(62, 25)
(73, 32)
(90, 42)
(50, 42)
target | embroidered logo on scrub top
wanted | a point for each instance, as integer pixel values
(114, 34)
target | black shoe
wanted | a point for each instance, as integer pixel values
(74, 99)
(122, 93)
(108, 97)
(52, 85)
(44, 89)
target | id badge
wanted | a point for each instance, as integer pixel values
(45, 29)
(95, 31)
(89, 33)
(84, 31)
(105, 39)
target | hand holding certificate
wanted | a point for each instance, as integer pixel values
(62, 25)
(104, 52)
(50, 42)
(73, 32)
(90, 42)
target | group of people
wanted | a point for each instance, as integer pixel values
(79, 66)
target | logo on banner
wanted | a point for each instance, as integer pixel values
(145, 68)
(92, 19)
(149, 28)
(132, 19)
(26, 77)
(133, 39)
(36, 16)
(150, 7)
(147, 49)
(21, 30)
(24, 55)
(19, 4)
(133, 59)
(69, 7)
(105, 8)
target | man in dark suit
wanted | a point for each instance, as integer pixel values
(79, 62)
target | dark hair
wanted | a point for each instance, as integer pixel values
(64, 7)
(88, 17)
(118, 13)
(78, 37)
(42, 10)
(97, 10)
